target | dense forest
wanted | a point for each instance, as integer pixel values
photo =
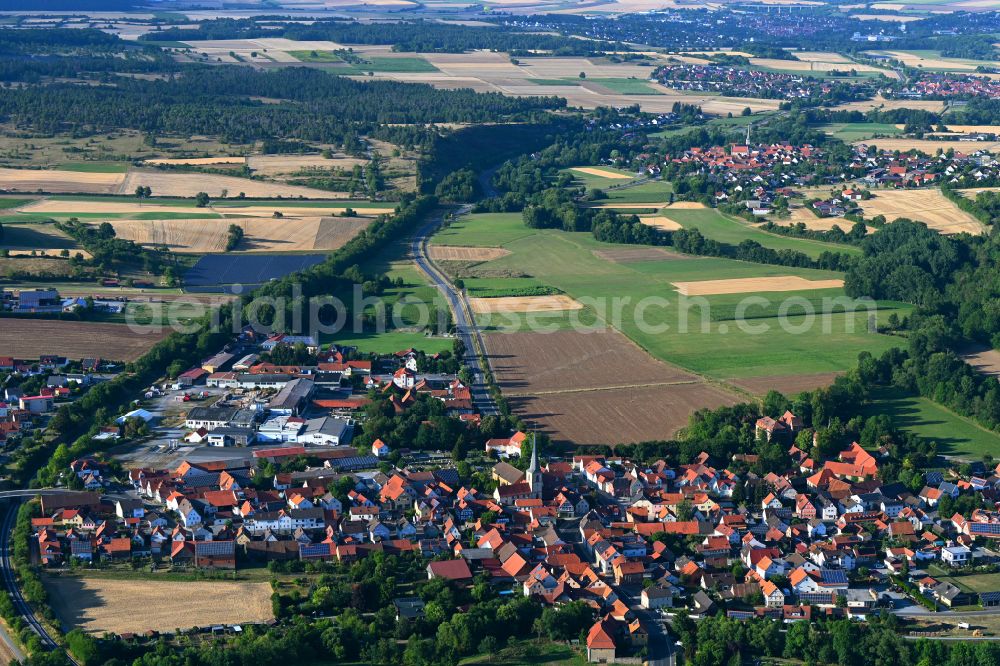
(224, 102)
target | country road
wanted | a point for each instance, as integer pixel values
(465, 325)
(10, 582)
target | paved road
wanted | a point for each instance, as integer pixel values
(465, 325)
(10, 581)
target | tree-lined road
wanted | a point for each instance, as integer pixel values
(465, 325)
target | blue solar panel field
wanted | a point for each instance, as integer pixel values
(221, 272)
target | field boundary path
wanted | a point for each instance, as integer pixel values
(465, 324)
(10, 582)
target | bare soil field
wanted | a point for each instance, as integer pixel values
(788, 384)
(926, 205)
(455, 253)
(660, 222)
(165, 184)
(753, 285)
(260, 235)
(57, 181)
(629, 255)
(29, 338)
(603, 173)
(556, 303)
(97, 605)
(596, 388)
(618, 416)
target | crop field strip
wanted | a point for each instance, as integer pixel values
(27, 338)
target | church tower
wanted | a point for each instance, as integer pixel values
(534, 474)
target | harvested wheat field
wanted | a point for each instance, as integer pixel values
(603, 173)
(928, 206)
(631, 255)
(57, 208)
(931, 147)
(97, 605)
(596, 388)
(660, 222)
(975, 129)
(984, 359)
(456, 253)
(879, 102)
(284, 165)
(303, 234)
(753, 285)
(166, 184)
(197, 161)
(557, 303)
(59, 182)
(686, 205)
(28, 338)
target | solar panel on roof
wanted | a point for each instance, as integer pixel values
(992, 597)
(984, 528)
(314, 549)
(211, 548)
(834, 576)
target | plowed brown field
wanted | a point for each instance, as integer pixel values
(596, 388)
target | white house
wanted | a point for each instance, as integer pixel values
(380, 448)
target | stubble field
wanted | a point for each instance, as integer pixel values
(926, 205)
(97, 605)
(302, 234)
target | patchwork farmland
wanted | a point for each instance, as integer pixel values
(532, 367)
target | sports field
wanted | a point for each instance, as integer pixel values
(955, 435)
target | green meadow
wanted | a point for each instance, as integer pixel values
(315, 56)
(640, 299)
(627, 86)
(713, 224)
(955, 435)
(850, 132)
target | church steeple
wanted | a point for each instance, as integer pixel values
(534, 474)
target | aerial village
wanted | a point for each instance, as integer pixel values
(635, 542)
